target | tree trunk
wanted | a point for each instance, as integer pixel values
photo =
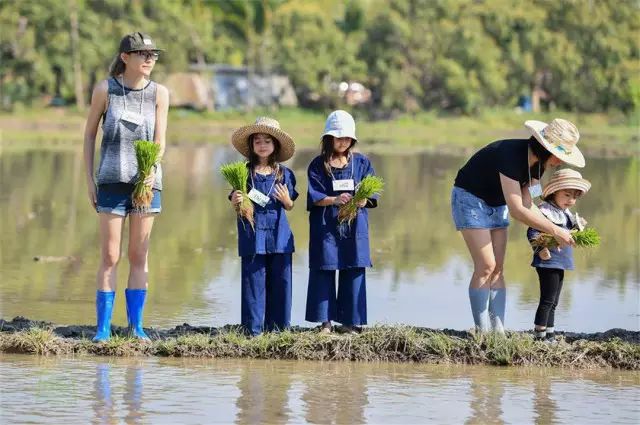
(75, 56)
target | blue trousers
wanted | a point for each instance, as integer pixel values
(350, 305)
(266, 292)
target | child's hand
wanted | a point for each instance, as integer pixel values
(362, 204)
(282, 195)
(150, 179)
(581, 222)
(563, 237)
(342, 199)
(236, 198)
(545, 254)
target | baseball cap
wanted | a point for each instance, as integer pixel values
(137, 41)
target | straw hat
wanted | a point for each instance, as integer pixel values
(560, 138)
(565, 179)
(266, 125)
(340, 124)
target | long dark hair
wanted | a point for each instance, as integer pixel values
(326, 150)
(117, 66)
(254, 159)
(539, 151)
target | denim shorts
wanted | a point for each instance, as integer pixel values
(470, 212)
(115, 198)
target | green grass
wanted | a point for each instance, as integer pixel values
(587, 238)
(611, 134)
(236, 174)
(147, 154)
(377, 343)
(368, 187)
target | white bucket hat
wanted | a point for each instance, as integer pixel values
(340, 124)
(265, 125)
(560, 138)
(566, 179)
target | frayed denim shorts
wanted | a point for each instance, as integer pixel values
(115, 198)
(470, 212)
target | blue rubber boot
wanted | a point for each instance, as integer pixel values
(104, 308)
(135, 307)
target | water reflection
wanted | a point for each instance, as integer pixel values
(103, 406)
(105, 409)
(544, 405)
(418, 256)
(277, 392)
(263, 394)
(133, 394)
(486, 401)
(336, 393)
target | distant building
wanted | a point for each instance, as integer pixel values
(235, 87)
(354, 93)
(189, 90)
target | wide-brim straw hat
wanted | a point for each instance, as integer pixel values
(340, 124)
(566, 179)
(559, 137)
(265, 125)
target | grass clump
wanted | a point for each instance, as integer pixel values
(35, 341)
(147, 154)
(237, 175)
(368, 187)
(376, 343)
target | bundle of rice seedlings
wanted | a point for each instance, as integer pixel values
(587, 238)
(147, 154)
(368, 187)
(237, 174)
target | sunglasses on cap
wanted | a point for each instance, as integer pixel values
(146, 54)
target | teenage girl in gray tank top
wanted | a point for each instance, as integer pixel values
(131, 107)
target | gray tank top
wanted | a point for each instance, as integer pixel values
(118, 162)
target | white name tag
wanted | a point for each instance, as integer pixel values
(258, 197)
(346, 184)
(535, 190)
(132, 117)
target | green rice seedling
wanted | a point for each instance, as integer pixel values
(368, 187)
(237, 174)
(147, 154)
(587, 238)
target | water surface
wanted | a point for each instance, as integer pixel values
(421, 268)
(189, 391)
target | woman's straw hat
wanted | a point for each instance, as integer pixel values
(560, 138)
(266, 125)
(340, 124)
(565, 179)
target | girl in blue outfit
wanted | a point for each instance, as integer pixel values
(266, 249)
(333, 176)
(559, 195)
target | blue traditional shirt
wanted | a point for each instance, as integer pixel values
(272, 234)
(562, 258)
(329, 247)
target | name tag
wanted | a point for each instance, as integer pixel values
(258, 197)
(346, 184)
(132, 117)
(535, 190)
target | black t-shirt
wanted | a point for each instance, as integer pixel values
(481, 174)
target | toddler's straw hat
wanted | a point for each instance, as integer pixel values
(566, 179)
